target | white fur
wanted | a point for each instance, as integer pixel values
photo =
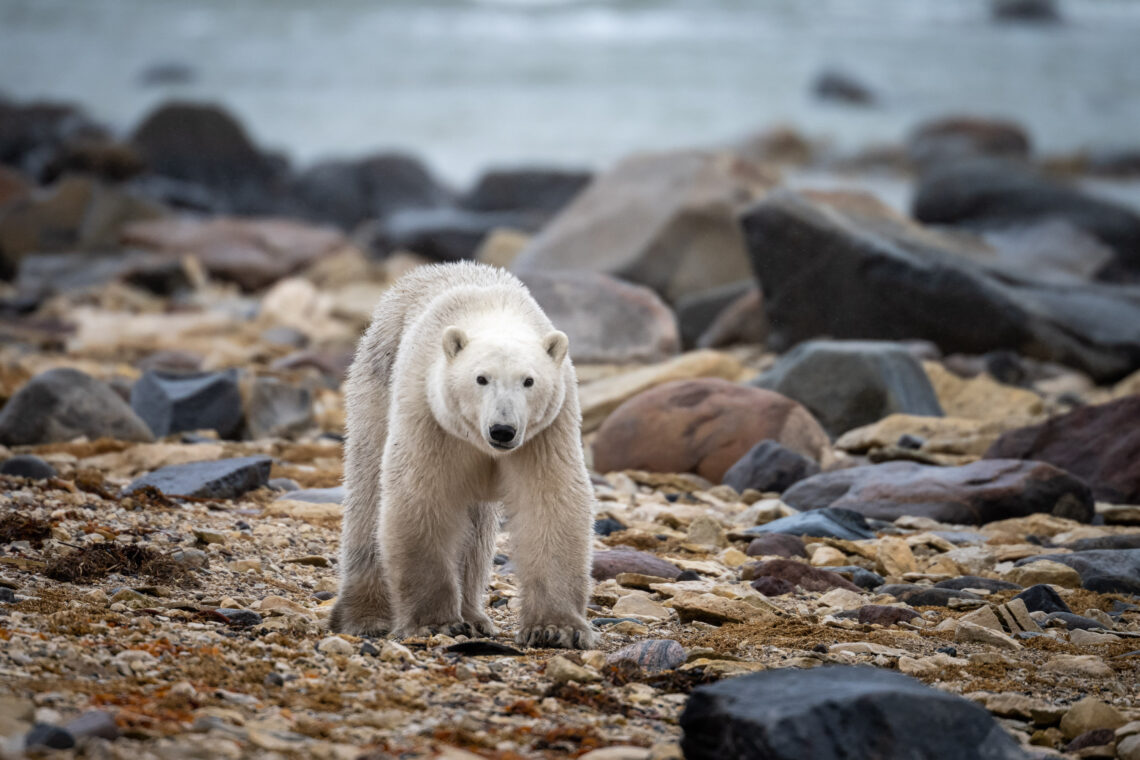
(425, 478)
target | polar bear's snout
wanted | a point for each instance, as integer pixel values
(502, 436)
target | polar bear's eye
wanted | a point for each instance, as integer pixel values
(481, 380)
(528, 382)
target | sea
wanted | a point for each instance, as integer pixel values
(471, 84)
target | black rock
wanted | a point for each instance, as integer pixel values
(840, 87)
(1042, 598)
(239, 618)
(887, 281)
(1106, 571)
(975, 581)
(651, 655)
(7, 595)
(172, 402)
(94, 723)
(696, 312)
(952, 651)
(483, 648)
(821, 523)
(544, 190)
(861, 577)
(62, 404)
(324, 596)
(369, 649)
(777, 545)
(768, 466)
(27, 466)
(48, 736)
(606, 526)
(837, 713)
(221, 479)
(444, 234)
(846, 384)
(688, 575)
(1073, 622)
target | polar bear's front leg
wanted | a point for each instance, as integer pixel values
(550, 505)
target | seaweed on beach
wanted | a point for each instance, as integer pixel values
(91, 563)
(17, 527)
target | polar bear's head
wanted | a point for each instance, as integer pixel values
(498, 388)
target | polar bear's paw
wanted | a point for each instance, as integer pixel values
(578, 636)
(455, 628)
(481, 625)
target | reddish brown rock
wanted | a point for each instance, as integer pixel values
(253, 253)
(611, 563)
(1100, 444)
(973, 494)
(777, 544)
(702, 426)
(12, 184)
(960, 137)
(798, 574)
(882, 614)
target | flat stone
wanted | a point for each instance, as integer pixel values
(609, 564)
(561, 670)
(1082, 638)
(639, 605)
(821, 523)
(222, 479)
(333, 495)
(969, 632)
(653, 655)
(1106, 571)
(27, 466)
(1043, 571)
(837, 712)
(966, 582)
(1078, 665)
(880, 614)
(710, 608)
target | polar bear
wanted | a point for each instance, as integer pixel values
(462, 399)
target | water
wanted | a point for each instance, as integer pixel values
(467, 84)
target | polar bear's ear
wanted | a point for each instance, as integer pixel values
(454, 340)
(556, 344)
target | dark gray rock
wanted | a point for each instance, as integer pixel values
(993, 194)
(1106, 571)
(442, 234)
(47, 736)
(333, 495)
(847, 384)
(94, 723)
(768, 466)
(173, 402)
(221, 479)
(607, 526)
(1035, 11)
(975, 494)
(837, 713)
(796, 573)
(278, 409)
(7, 595)
(1042, 598)
(697, 311)
(237, 617)
(925, 596)
(483, 648)
(885, 279)
(608, 321)
(860, 576)
(776, 544)
(1119, 541)
(822, 523)
(62, 404)
(27, 466)
(840, 87)
(347, 193)
(962, 137)
(1073, 622)
(880, 614)
(544, 190)
(608, 564)
(975, 581)
(651, 655)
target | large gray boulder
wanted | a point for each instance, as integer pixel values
(664, 220)
(62, 404)
(847, 384)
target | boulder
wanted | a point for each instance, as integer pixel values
(253, 253)
(828, 522)
(1106, 571)
(544, 190)
(995, 194)
(697, 311)
(959, 137)
(798, 574)
(664, 220)
(837, 712)
(702, 426)
(219, 479)
(75, 214)
(972, 494)
(1100, 444)
(608, 321)
(205, 145)
(174, 402)
(62, 404)
(768, 466)
(346, 193)
(440, 234)
(847, 384)
(884, 277)
(277, 409)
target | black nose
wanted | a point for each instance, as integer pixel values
(502, 433)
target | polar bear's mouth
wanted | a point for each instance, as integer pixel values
(502, 446)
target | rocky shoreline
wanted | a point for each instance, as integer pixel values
(825, 434)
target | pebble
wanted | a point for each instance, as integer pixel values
(652, 655)
(27, 466)
(335, 645)
(239, 617)
(45, 735)
(970, 632)
(561, 670)
(640, 605)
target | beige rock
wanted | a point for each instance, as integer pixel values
(941, 564)
(147, 457)
(637, 604)
(706, 530)
(842, 599)
(827, 556)
(895, 557)
(318, 514)
(1037, 524)
(335, 645)
(617, 753)
(733, 557)
(1101, 617)
(943, 435)
(561, 670)
(867, 647)
(1044, 571)
(1013, 705)
(1015, 617)
(985, 617)
(1128, 748)
(710, 608)
(501, 246)
(1082, 638)
(1078, 665)
(297, 304)
(928, 666)
(1119, 514)
(282, 606)
(981, 397)
(601, 397)
(1090, 714)
(970, 632)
